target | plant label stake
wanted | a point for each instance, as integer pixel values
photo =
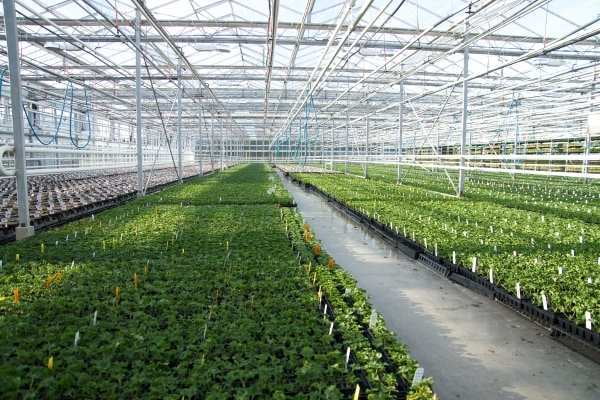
(16, 295)
(453, 257)
(373, 319)
(518, 289)
(435, 249)
(325, 310)
(320, 294)
(418, 376)
(560, 270)
(572, 252)
(50, 363)
(77, 338)
(356, 393)
(331, 328)
(491, 275)
(588, 320)
(545, 302)
(95, 318)
(94, 254)
(474, 266)
(347, 356)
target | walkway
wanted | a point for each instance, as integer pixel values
(473, 347)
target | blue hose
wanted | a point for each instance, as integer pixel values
(89, 138)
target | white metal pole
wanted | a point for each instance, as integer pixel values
(138, 104)
(347, 142)
(200, 121)
(179, 108)
(24, 229)
(367, 147)
(465, 100)
(221, 137)
(400, 129)
(332, 142)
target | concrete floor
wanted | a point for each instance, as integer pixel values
(473, 347)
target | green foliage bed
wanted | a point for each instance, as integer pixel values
(544, 239)
(194, 292)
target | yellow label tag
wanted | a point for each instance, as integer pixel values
(50, 363)
(16, 295)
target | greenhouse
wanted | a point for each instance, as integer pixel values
(316, 199)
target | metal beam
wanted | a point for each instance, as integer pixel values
(231, 24)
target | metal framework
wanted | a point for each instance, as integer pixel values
(455, 86)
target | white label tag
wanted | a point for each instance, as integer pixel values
(325, 310)
(588, 320)
(435, 249)
(544, 302)
(418, 377)
(453, 257)
(572, 253)
(373, 319)
(474, 265)
(560, 270)
(331, 328)
(347, 356)
(95, 318)
(518, 288)
(491, 275)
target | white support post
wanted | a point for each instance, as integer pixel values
(210, 143)
(463, 138)
(24, 229)
(138, 105)
(347, 142)
(400, 129)
(179, 144)
(200, 121)
(332, 142)
(322, 146)
(222, 139)
(367, 147)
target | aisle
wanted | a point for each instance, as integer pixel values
(473, 347)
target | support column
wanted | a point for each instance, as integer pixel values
(200, 121)
(347, 142)
(367, 147)
(332, 142)
(400, 130)
(24, 229)
(179, 96)
(210, 143)
(222, 138)
(138, 105)
(463, 138)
